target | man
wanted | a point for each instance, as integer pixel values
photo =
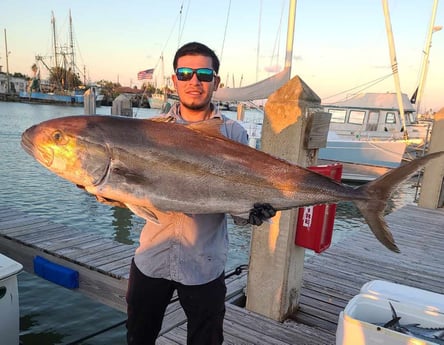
(186, 252)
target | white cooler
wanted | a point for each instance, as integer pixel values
(359, 323)
(9, 301)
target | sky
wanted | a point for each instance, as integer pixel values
(340, 47)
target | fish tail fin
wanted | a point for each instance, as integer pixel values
(378, 192)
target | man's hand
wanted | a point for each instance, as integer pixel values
(261, 212)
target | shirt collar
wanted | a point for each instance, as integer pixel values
(175, 112)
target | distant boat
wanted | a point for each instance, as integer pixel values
(157, 100)
(65, 85)
(50, 97)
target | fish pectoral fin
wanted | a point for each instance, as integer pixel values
(144, 213)
(109, 201)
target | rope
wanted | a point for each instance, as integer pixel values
(225, 31)
(364, 86)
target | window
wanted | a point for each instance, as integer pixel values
(337, 115)
(390, 118)
(411, 117)
(356, 117)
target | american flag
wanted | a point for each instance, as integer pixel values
(147, 74)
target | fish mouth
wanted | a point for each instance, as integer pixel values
(39, 154)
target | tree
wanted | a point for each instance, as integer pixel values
(65, 79)
(108, 91)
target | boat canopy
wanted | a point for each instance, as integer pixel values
(259, 90)
(385, 101)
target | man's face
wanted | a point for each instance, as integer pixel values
(195, 94)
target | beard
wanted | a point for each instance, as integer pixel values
(197, 105)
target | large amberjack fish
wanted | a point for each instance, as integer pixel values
(148, 165)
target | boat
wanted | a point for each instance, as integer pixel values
(385, 116)
(376, 116)
(368, 131)
(64, 85)
(362, 160)
(158, 100)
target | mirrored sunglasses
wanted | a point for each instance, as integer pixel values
(203, 74)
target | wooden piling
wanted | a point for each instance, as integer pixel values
(122, 106)
(276, 263)
(432, 187)
(89, 102)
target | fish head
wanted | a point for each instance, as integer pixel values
(62, 147)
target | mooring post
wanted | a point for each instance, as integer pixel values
(294, 127)
(432, 187)
(122, 106)
(89, 102)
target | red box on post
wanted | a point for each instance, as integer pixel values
(314, 229)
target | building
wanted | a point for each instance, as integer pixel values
(16, 84)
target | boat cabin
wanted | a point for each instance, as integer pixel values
(374, 116)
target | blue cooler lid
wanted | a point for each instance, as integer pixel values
(8, 267)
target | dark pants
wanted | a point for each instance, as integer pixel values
(147, 299)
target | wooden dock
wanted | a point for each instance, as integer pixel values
(331, 279)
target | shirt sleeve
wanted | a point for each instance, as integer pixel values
(235, 131)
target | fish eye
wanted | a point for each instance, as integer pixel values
(58, 137)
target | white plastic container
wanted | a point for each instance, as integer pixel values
(9, 301)
(360, 322)
(405, 294)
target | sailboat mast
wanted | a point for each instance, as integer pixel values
(425, 61)
(394, 64)
(71, 45)
(54, 39)
(290, 34)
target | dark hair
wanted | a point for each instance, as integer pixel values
(196, 48)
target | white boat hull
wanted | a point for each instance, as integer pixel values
(377, 153)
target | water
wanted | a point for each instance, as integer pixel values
(54, 315)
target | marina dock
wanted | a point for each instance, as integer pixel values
(331, 279)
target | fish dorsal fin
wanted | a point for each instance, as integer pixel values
(210, 127)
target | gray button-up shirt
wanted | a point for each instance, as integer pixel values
(188, 248)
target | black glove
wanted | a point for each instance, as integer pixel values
(261, 212)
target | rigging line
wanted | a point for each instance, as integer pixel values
(171, 32)
(364, 88)
(184, 22)
(180, 24)
(372, 82)
(258, 41)
(277, 41)
(358, 92)
(225, 31)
